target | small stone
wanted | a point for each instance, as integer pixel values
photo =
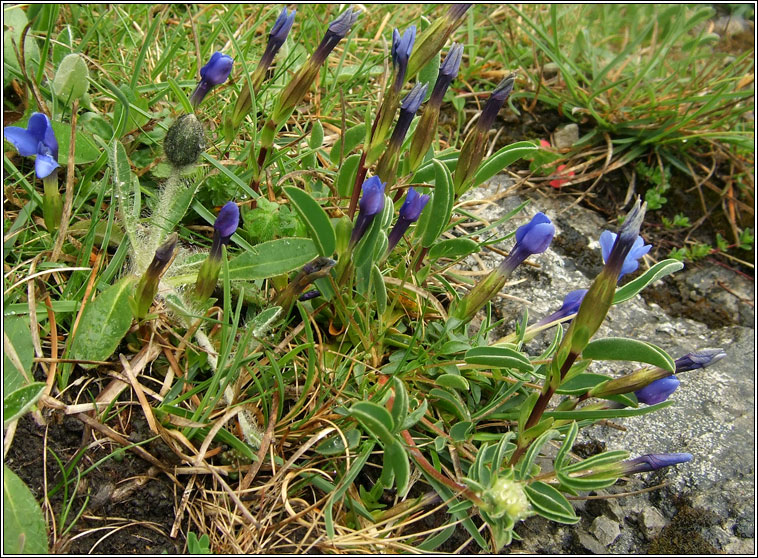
(566, 136)
(550, 69)
(590, 543)
(651, 522)
(605, 530)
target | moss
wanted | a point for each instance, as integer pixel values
(683, 534)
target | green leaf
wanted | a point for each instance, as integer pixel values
(315, 218)
(71, 78)
(134, 118)
(453, 381)
(24, 529)
(104, 323)
(499, 357)
(568, 443)
(400, 404)
(581, 384)
(96, 125)
(504, 157)
(525, 465)
(550, 503)
(346, 176)
(450, 402)
(441, 205)
(14, 21)
(375, 419)
(334, 445)
(414, 416)
(353, 137)
(380, 290)
(366, 248)
(428, 74)
(18, 402)
(619, 348)
(397, 458)
(601, 459)
(85, 151)
(272, 258)
(317, 135)
(659, 270)
(453, 248)
(18, 353)
(594, 482)
(460, 431)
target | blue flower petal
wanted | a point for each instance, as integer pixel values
(44, 165)
(38, 126)
(22, 140)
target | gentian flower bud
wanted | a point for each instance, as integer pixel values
(316, 269)
(371, 203)
(184, 141)
(224, 227)
(639, 249)
(495, 103)
(387, 166)
(653, 462)
(507, 498)
(570, 306)
(298, 86)
(657, 391)
(309, 295)
(147, 287)
(38, 139)
(698, 359)
(244, 102)
(409, 213)
(532, 238)
(215, 72)
(401, 51)
(432, 39)
(337, 31)
(475, 144)
(427, 127)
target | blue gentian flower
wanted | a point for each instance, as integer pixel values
(698, 359)
(448, 72)
(571, 304)
(401, 51)
(532, 238)
(371, 203)
(495, 103)
(215, 72)
(281, 29)
(653, 462)
(657, 391)
(639, 249)
(38, 139)
(408, 109)
(336, 32)
(227, 220)
(409, 213)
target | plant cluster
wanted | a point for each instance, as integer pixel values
(319, 358)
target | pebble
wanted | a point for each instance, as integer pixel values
(566, 136)
(605, 530)
(651, 522)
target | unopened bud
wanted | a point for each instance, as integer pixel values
(184, 142)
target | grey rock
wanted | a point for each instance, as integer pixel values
(651, 522)
(566, 136)
(728, 26)
(588, 542)
(605, 530)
